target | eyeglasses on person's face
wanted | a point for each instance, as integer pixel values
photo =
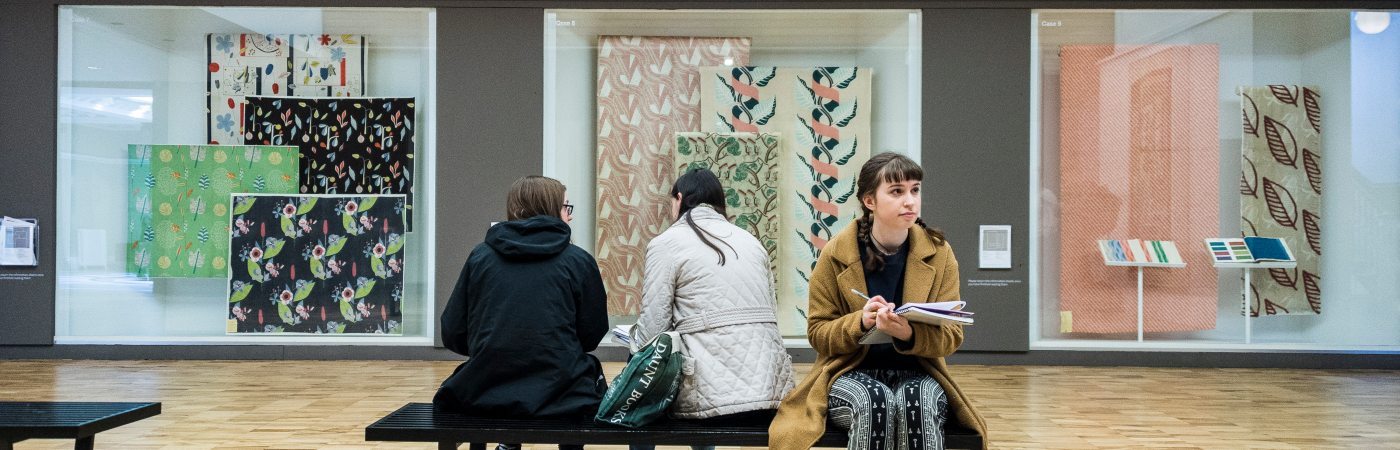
(569, 208)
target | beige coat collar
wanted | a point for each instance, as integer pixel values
(919, 273)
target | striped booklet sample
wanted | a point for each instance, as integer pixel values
(1139, 252)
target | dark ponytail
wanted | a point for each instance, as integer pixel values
(701, 187)
(884, 167)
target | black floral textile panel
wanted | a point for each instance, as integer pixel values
(348, 145)
(323, 264)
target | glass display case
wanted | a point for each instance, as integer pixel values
(783, 105)
(1183, 126)
(245, 175)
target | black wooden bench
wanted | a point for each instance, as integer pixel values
(418, 422)
(66, 420)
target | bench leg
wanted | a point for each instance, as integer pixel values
(477, 445)
(5, 444)
(447, 446)
(84, 443)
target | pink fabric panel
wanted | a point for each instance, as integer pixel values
(648, 90)
(1139, 159)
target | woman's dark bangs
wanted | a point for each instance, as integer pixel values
(900, 170)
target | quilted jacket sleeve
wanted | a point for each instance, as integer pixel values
(658, 293)
(830, 330)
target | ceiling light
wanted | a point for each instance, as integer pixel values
(1372, 22)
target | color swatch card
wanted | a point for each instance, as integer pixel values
(1249, 249)
(1137, 252)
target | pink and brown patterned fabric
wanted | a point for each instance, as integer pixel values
(1281, 193)
(648, 90)
(1139, 158)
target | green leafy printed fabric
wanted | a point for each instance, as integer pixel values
(177, 213)
(323, 264)
(747, 166)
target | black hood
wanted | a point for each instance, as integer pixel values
(534, 238)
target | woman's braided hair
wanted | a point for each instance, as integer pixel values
(884, 167)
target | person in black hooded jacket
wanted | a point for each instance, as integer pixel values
(527, 309)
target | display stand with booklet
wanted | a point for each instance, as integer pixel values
(937, 313)
(1140, 253)
(1250, 252)
(1249, 249)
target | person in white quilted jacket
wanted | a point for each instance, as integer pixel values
(709, 280)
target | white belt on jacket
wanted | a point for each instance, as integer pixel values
(725, 317)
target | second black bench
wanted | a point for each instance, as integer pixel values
(66, 420)
(418, 422)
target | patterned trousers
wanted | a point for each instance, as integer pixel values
(889, 409)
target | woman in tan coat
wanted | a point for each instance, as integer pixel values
(889, 396)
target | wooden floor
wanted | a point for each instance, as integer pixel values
(326, 404)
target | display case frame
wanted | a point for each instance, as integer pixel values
(115, 57)
(1254, 48)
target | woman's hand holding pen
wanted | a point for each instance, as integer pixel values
(880, 314)
(873, 306)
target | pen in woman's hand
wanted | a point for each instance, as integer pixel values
(867, 297)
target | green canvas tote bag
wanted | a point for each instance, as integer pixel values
(645, 389)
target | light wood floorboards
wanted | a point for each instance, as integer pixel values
(326, 404)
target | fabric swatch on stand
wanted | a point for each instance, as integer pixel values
(1281, 193)
(318, 264)
(823, 113)
(747, 166)
(648, 90)
(177, 209)
(348, 145)
(239, 65)
(1139, 158)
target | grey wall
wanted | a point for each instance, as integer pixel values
(487, 136)
(976, 135)
(28, 167)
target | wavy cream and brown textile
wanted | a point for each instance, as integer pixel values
(1139, 159)
(1281, 193)
(648, 90)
